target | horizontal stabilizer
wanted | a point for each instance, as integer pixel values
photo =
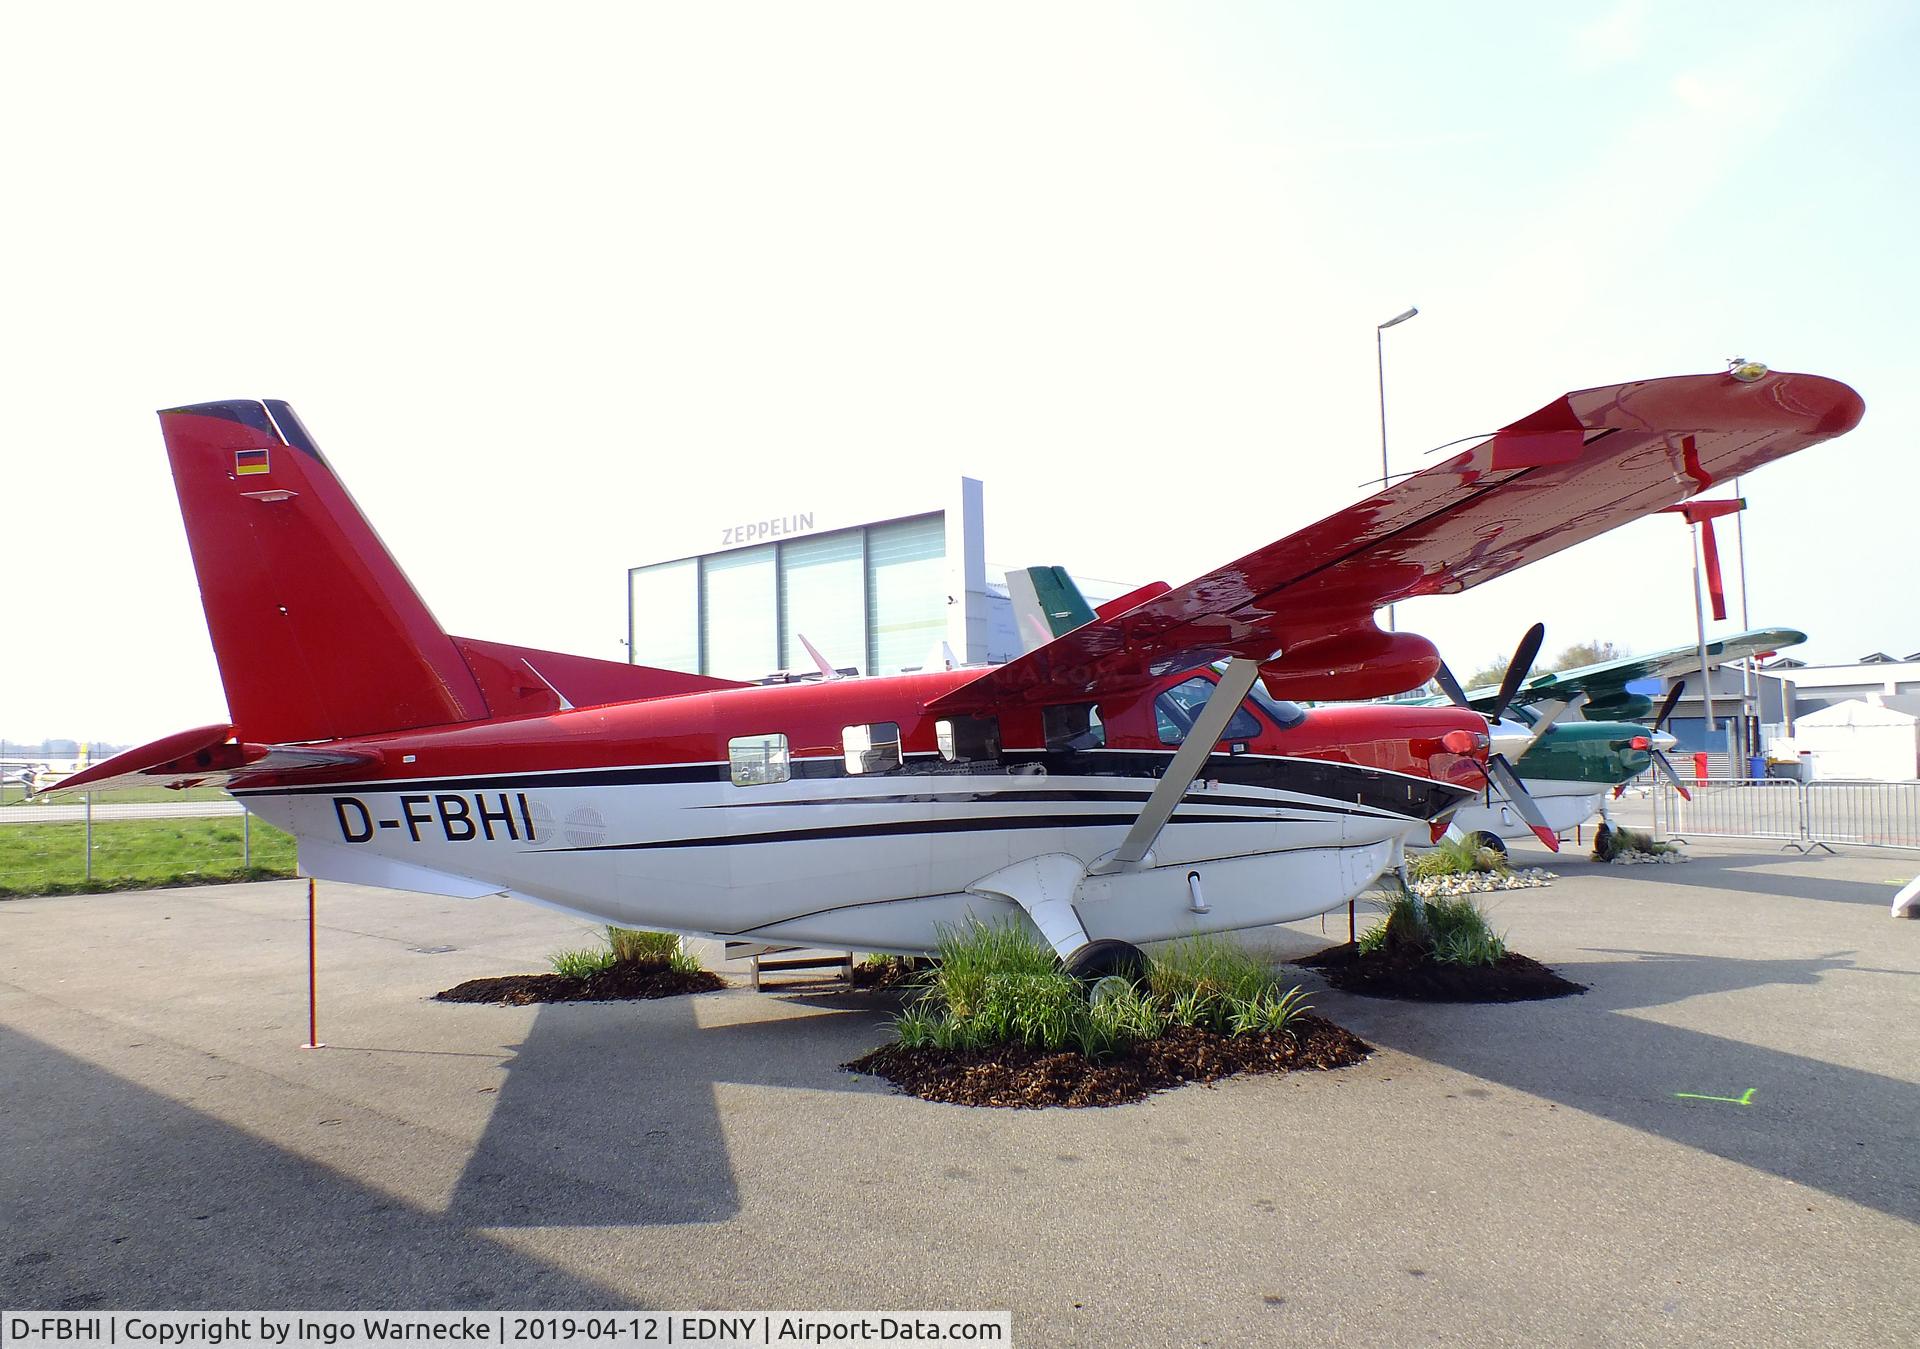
(204, 757)
(524, 680)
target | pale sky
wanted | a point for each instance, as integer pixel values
(541, 279)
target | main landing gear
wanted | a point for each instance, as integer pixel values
(1101, 959)
(1483, 839)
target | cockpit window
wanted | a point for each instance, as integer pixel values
(1176, 709)
(1285, 715)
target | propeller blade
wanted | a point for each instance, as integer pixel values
(1519, 667)
(1665, 765)
(1550, 713)
(1450, 686)
(1500, 773)
(1673, 699)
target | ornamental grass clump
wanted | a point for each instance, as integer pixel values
(1455, 857)
(1454, 931)
(651, 950)
(1613, 840)
(1001, 985)
(628, 947)
(581, 964)
(995, 985)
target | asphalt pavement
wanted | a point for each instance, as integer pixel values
(1716, 1144)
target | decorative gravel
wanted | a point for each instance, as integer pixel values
(1482, 882)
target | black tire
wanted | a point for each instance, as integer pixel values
(1098, 959)
(1485, 840)
(1603, 841)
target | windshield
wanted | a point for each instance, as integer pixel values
(1285, 715)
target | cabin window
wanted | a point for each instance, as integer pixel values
(872, 749)
(968, 739)
(756, 760)
(1179, 706)
(1074, 726)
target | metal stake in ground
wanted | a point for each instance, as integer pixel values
(313, 976)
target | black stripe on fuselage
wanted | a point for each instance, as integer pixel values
(1059, 796)
(957, 825)
(1370, 790)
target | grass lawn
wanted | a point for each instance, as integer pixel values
(50, 859)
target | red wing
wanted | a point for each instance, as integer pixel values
(1586, 463)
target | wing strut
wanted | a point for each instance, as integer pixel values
(1208, 727)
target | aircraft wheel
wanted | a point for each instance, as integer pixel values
(1602, 839)
(1483, 839)
(1098, 960)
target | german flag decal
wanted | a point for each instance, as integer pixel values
(249, 461)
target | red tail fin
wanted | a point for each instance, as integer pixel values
(317, 631)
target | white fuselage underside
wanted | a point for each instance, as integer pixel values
(1565, 805)
(878, 864)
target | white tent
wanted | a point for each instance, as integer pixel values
(1858, 739)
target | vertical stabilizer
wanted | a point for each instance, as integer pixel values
(318, 632)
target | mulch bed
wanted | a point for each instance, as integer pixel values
(1017, 1076)
(617, 983)
(1411, 975)
(893, 972)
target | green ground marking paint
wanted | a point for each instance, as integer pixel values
(1744, 1098)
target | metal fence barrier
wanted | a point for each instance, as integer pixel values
(1804, 815)
(1877, 814)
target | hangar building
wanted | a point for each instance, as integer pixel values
(876, 579)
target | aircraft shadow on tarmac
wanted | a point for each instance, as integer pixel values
(1850, 1133)
(608, 1114)
(116, 1196)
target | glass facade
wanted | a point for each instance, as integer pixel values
(872, 599)
(823, 598)
(739, 607)
(663, 615)
(906, 591)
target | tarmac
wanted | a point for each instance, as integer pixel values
(1716, 1144)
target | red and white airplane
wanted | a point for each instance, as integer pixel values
(1139, 778)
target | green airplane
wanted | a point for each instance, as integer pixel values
(1571, 768)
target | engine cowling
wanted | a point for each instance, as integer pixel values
(1620, 706)
(1355, 663)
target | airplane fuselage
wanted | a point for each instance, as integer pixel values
(743, 812)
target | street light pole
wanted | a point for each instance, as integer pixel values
(1380, 363)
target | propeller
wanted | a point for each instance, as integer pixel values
(1500, 773)
(1660, 760)
(1673, 700)
(1518, 668)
